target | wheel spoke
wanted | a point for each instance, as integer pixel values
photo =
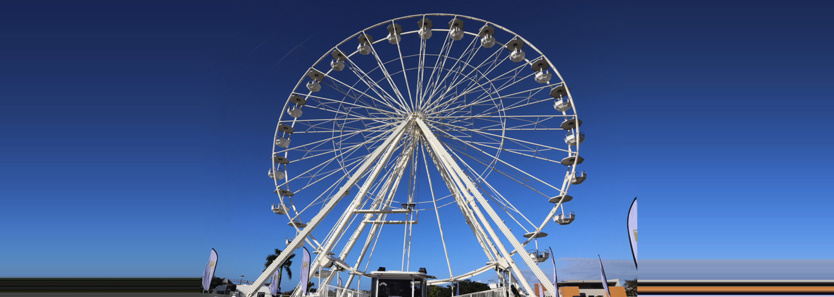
(388, 78)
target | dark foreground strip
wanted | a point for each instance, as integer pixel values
(8, 285)
(738, 288)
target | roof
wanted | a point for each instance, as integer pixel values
(592, 281)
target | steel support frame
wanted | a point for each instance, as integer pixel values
(320, 260)
(390, 187)
(298, 241)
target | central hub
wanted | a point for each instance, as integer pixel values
(419, 115)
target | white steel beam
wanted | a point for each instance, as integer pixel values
(382, 211)
(472, 273)
(390, 222)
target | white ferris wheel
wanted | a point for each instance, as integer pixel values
(449, 116)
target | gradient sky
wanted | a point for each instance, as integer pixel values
(134, 136)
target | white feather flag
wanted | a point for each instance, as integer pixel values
(305, 271)
(208, 273)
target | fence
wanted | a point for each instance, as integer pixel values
(333, 291)
(497, 292)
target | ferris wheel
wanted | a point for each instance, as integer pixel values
(449, 116)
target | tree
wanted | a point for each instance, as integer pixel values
(287, 264)
(309, 288)
(440, 291)
(466, 287)
(631, 287)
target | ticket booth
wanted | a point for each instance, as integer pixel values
(399, 283)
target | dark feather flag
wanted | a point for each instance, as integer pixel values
(632, 229)
(555, 280)
(604, 279)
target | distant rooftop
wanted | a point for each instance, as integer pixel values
(598, 281)
(735, 270)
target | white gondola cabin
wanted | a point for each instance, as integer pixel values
(295, 112)
(276, 175)
(561, 105)
(283, 142)
(316, 77)
(563, 219)
(279, 209)
(338, 62)
(456, 29)
(486, 32)
(578, 178)
(425, 28)
(539, 256)
(540, 67)
(394, 31)
(365, 41)
(572, 139)
(515, 46)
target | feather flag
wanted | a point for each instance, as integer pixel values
(604, 279)
(555, 280)
(632, 229)
(305, 271)
(273, 285)
(339, 284)
(208, 273)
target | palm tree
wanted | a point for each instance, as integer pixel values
(286, 264)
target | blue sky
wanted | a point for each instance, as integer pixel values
(134, 136)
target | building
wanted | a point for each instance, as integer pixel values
(588, 288)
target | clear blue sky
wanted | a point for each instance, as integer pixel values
(134, 137)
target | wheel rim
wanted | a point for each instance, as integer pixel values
(487, 108)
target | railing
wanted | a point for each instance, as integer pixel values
(333, 291)
(497, 292)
